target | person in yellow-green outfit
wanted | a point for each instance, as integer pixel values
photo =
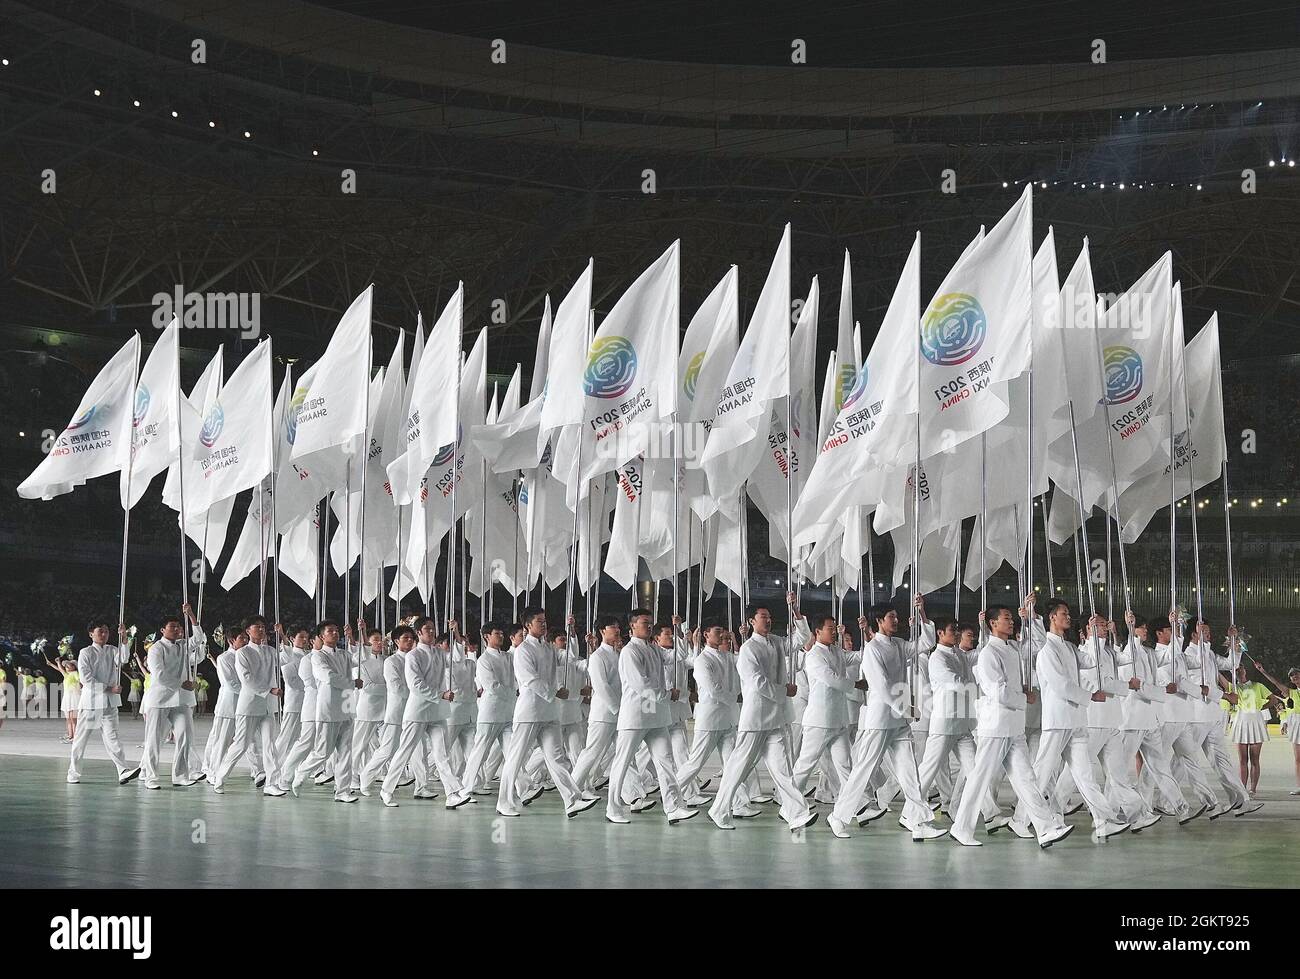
(71, 692)
(4, 696)
(1249, 729)
(1290, 711)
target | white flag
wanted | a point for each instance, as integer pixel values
(562, 394)
(333, 409)
(155, 426)
(300, 553)
(233, 449)
(759, 374)
(96, 441)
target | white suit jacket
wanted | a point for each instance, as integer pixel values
(335, 689)
(426, 679)
(884, 667)
(228, 697)
(828, 686)
(255, 667)
(1139, 713)
(495, 676)
(395, 690)
(291, 658)
(1001, 706)
(372, 698)
(1097, 660)
(464, 709)
(168, 670)
(718, 685)
(99, 668)
(761, 664)
(643, 704)
(308, 677)
(606, 688)
(1060, 681)
(952, 687)
(569, 711)
(535, 674)
(1178, 707)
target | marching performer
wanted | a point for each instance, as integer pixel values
(332, 669)
(255, 708)
(395, 696)
(372, 701)
(494, 683)
(291, 656)
(99, 667)
(825, 721)
(169, 702)
(762, 730)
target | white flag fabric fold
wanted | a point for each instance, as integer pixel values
(759, 374)
(233, 450)
(333, 410)
(96, 441)
(300, 553)
(155, 421)
(566, 354)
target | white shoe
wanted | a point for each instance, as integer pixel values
(1191, 814)
(1074, 808)
(387, 799)
(643, 804)
(508, 812)
(185, 783)
(621, 820)
(965, 840)
(1020, 829)
(762, 800)
(708, 781)
(590, 796)
(293, 787)
(1248, 808)
(681, 815)
(74, 779)
(1143, 822)
(722, 823)
(927, 831)
(274, 791)
(216, 787)
(128, 775)
(1106, 830)
(346, 797)
(870, 814)
(1054, 835)
(152, 784)
(579, 805)
(807, 819)
(457, 799)
(746, 812)
(697, 800)
(365, 791)
(997, 823)
(840, 829)
(424, 794)
(1294, 792)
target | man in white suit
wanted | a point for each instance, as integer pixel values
(825, 721)
(332, 668)
(424, 727)
(762, 728)
(537, 719)
(100, 668)
(168, 704)
(257, 665)
(1000, 733)
(494, 681)
(395, 695)
(644, 716)
(291, 654)
(606, 695)
(885, 725)
(372, 700)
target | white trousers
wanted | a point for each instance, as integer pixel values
(419, 738)
(934, 763)
(1210, 735)
(523, 736)
(600, 736)
(105, 722)
(1107, 746)
(1152, 747)
(1060, 747)
(818, 742)
(363, 744)
(487, 735)
(772, 748)
(1184, 754)
(178, 720)
(333, 741)
(873, 746)
(290, 730)
(248, 732)
(220, 735)
(993, 755)
(704, 744)
(389, 736)
(659, 743)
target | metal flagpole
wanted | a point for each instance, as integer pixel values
(677, 560)
(485, 580)
(126, 512)
(365, 465)
(573, 562)
(1027, 649)
(514, 578)
(324, 555)
(1047, 549)
(744, 555)
(1234, 651)
(397, 575)
(1174, 631)
(1082, 532)
(203, 563)
(180, 478)
(956, 579)
(1114, 482)
(1191, 495)
(1110, 585)
(871, 564)
(984, 520)
(259, 492)
(347, 548)
(275, 527)
(1078, 566)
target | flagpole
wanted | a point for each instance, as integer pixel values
(984, 524)
(514, 578)
(1234, 651)
(1047, 550)
(275, 526)
(1110, 585)
(126, 511)
(1114, 481)
(397, 577)
(871, 565)
(1191, 492)
(1078, 568)
(347, 550)
(744, 555)
(429, 586)
(1030, 613)
(1173, 503)
(324, 553)
(203, 560)
(956, 579)
(485, 584)
(180, 479)
(259, 491)
(1082, 532)
(365, 464)
(573, 555)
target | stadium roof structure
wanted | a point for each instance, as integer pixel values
(228, 175)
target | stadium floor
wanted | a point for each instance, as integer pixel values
(99, 834)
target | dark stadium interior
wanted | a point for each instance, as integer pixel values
(510, 181)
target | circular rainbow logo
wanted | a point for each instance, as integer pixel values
(858, 390)
(1123, 369)
(141, 406)
(611, 367)
(291, 416)
(82, 420)
(953, 329)
(692, 375)
(212, 426)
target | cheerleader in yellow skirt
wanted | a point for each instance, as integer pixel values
(1249, 730)
(1290, 711)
